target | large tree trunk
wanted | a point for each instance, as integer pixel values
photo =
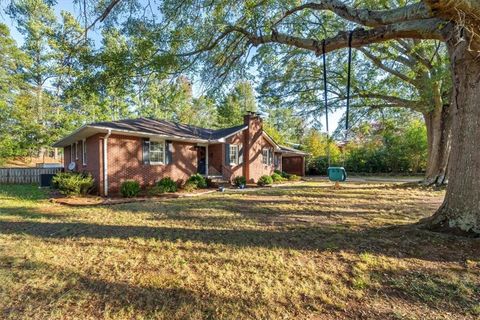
(460, 210)
(438, 124)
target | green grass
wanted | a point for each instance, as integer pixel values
(298, 252)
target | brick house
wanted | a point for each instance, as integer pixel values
(147, 150)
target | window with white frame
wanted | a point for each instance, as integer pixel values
(233, 154)
(267, 156)
(157, 152)
(76, 150)
(84, 152)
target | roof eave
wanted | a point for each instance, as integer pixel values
(66, 141)
(63, 142)
(270, 139)
(153, 135)
(223, 139)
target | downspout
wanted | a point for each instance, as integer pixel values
(105, 163)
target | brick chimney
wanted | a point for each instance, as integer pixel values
(251, 135)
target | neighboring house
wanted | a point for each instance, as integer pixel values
(147, 150)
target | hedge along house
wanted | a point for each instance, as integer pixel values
(147, 150)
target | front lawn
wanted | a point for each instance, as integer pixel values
(303, 251)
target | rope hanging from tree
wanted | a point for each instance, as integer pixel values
(349, 76)
(325, 96)
(325, 91)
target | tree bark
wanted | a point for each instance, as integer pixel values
(460, 210)
(438, 123)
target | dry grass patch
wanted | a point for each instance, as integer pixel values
(300, 252)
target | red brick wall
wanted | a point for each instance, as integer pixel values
(232, 171)
(254, 142)
(125, 162)
(216, 157)
(293, 165)
(93, 157)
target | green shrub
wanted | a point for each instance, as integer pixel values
(265, 181)
(73, 183)
(282, 173)
(198, 180)
(239, 180)
(277, 177)
(279, 172)
(293, 177)
(130, 188)
(190, 186)
(167, 185)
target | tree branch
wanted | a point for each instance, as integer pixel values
(419, 29)
(382, 66)
(104, 15)
(404, 47)
(365, 17)
(391, 99)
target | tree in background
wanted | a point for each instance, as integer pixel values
(41, 112)
(388, 141)
(36, 22)
(320, 147)
(283, 123)
(175, 102)
(235, 104)
(12, 84)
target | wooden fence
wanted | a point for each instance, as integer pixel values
(24, 175)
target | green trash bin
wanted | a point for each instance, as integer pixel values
(337, 174)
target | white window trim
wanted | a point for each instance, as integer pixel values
(269, 156)
(84, 152)
(150, 152)
(234, 161)
(76, 150)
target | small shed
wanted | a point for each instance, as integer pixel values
(293, 160)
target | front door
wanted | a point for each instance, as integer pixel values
(201, 160)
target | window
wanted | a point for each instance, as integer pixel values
(76, 150)
(157, 152)
(233, 154)
(267, 156)
(84, 152)
(71, 152)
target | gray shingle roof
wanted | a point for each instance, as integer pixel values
(292, 150)
(168, 128)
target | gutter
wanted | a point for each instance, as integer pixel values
(154, 135)
(105, 162)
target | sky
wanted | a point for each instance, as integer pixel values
(68, 5)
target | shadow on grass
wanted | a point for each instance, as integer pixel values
(103, 297)
(221, 211)
(400, 241)
(433, 288)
